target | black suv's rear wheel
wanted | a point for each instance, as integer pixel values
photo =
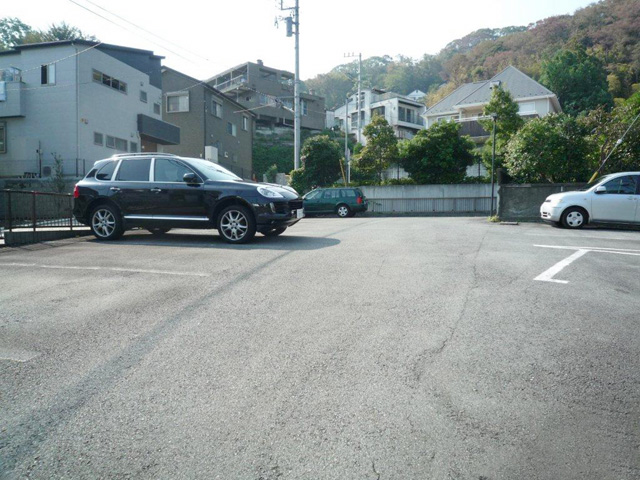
(236, 224)
(106, 223)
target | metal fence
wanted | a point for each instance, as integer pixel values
(430, 205)
(38, 210)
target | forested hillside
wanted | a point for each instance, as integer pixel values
(607, 31)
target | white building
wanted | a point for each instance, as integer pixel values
(80, 100)
(402, 113)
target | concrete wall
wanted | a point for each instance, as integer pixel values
(522, 202)
(429, 199)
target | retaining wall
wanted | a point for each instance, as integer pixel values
(521, 202)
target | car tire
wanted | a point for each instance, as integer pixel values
(236, 224)
(274, 232)
(574, 218)
(106, 223)
(158, 231)
(343, 211)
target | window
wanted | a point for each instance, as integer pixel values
(48, 74)
(348, 193)
(168, 170)
(622, 185)
(377, 111)
(98, 138)
(178, 102)
(331, 194)
(245, 123)
(527, 108)
(3, 137)
(117, 143)
(314, 194)
(216, 108)
(134, 170)
(106, 171)
(133, 147)
(143, 96)
(231, 129)
(304, 107)
(108, 81)
(156, 108)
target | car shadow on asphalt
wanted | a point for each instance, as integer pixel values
(199, 240)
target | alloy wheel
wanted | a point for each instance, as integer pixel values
(234, 225)
(103, 223)
(575, 219)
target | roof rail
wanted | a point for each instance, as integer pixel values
(143, 154)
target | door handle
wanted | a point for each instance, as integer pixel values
(114, 189)
(156, 190)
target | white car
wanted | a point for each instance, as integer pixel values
(613, 198)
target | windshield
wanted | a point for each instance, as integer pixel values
(595, 182)
(213, 171)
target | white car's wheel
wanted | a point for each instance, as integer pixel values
(574, 217)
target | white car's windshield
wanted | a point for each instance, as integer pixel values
(213, 171)
(595, 182)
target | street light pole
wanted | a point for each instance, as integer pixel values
(494, 116)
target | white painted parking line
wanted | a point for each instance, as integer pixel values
(578, 236)
(619, 251)
(547, 275)
(103, 269)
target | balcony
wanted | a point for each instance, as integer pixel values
(231, 84)
(472, 128)
(12, 97)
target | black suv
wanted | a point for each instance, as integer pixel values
(159, 191)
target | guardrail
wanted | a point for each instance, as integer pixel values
(33, 210)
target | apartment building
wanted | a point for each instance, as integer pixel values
(401, 112)
(269, 93)
(213, 125)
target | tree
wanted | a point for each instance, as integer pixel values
(578, 79)
(607, 127)
(438, 154)
(508, 122)
(553, 149)
(322, 159)
(12, 31)
(381, 148)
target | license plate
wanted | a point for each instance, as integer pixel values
(300, 213)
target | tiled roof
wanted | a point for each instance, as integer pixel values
(511, 79)
(447, 104)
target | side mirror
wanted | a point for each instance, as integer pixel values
(190, 178)
(601, 189)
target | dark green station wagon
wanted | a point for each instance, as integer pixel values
(344, 202)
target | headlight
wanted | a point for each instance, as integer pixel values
(267, 192)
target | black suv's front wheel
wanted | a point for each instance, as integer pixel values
(106, 223)
(236, 224)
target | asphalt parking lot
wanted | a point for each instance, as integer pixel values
(360, 348)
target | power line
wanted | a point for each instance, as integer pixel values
(129, 30)
(147, 31)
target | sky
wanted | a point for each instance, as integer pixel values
(202, 39)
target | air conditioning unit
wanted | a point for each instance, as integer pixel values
(211, 153)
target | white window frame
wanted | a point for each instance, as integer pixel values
(51, 74)
(181, 106)
(527, 108)
(216, 108)
(245, 123)
(234, 130)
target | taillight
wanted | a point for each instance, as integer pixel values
(76, 192)
(359, 200)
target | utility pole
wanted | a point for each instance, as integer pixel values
(295, 22)
(358, 101)
(346, 139)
